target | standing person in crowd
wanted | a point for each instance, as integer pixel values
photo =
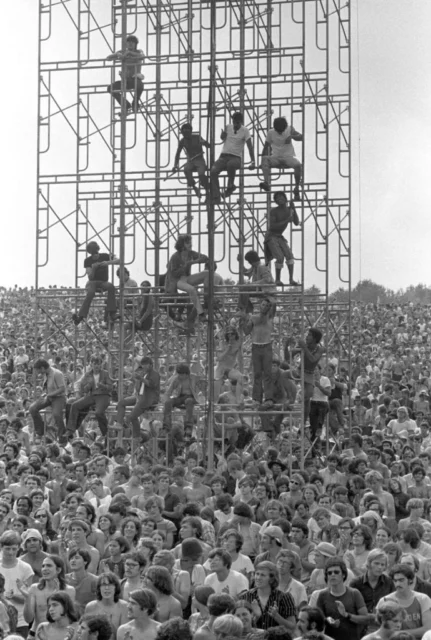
(343, 607)
(18, 577)
(417, 606)
(142, 605)
(96, 266)
(271, 606)
(61, 618)
(234, 136)
(279, 142)
(54, 397)
(108, 600)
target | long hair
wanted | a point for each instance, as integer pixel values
(66, 601)
(138, 526)
(161, 579)
(61, 577)
(111, 578)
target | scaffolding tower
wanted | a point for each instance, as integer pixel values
(106, 176)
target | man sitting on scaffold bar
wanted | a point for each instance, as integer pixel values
(96, 266)
(134, 77)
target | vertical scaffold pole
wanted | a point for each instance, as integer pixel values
(123, 176)
(211, 233)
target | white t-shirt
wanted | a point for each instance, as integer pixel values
(279, 148)
(319, 396)
(234, 143)
(242, 563)
(22, 571)
(297, 591)
(415, 608)
(234, 584)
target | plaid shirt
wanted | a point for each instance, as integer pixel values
(284, 602)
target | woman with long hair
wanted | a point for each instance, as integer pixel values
(61, 618)
(108, 600)
(131, 529)
(159, 580)
(400, 498)
(53, 580)
(356, 558)
(43, 523)
(107, 526)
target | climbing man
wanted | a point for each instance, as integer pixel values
(275, 245)
(234, 136)
(279, 141)
(133, 57)
(193, 145)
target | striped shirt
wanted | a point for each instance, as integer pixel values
(283, 601)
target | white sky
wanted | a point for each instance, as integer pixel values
(390, 221)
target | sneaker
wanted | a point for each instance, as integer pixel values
(296, 195)
(267, 405)
(293, 283)
(77, 319)
(229, 191)
(279, 283)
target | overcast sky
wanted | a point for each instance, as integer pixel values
(391, 219)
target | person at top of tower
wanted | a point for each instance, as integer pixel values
(193, 145)
(275, 245)
(279, 140)
(133, 57)
(178, 275)
(96, 266)
(234, 136)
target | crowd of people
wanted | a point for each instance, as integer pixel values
(114, 542)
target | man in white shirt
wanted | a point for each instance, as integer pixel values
(279, 140)
(403, 425)
(224, 579)
(319, 406)
(18, 577)
(234, 136)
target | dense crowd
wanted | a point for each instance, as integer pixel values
(123, 543)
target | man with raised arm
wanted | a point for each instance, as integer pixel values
(235, 136)
(276, 246)
(96, 266)
(193, 144)
(260, 327)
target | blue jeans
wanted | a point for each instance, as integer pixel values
(261, 357)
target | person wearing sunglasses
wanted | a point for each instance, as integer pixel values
(343, 607)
